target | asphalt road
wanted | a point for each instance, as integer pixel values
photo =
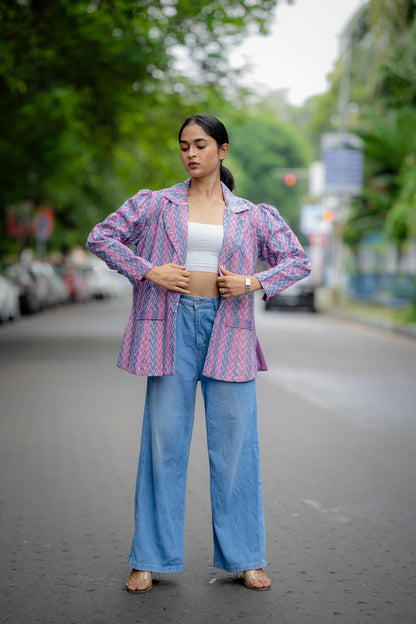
(337, 428)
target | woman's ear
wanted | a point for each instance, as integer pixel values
(224, 150)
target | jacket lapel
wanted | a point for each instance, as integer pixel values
(176, 217)
(234, 225)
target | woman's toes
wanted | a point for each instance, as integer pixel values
(257, 579)
(139, 580)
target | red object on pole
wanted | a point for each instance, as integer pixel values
(290, 179)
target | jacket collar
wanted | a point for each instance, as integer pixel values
(178, 194)
(176, 221)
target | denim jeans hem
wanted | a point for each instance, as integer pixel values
(240, 568)
(154, 568)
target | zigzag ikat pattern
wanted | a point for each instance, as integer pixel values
(157, 224)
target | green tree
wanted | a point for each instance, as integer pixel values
(389, 148)
(85, 85)
(401, 220)
(381, 39)
(261, 147)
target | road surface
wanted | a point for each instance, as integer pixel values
(337, 429)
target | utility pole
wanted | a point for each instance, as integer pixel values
(341, 201)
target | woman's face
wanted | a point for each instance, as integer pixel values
(200, 154)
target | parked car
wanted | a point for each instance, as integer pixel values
(39, 285)
(103, 282)
(9, 300)
(30, 289)
(77, 284)
(54, 289)
(299, 295)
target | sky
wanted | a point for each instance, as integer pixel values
(301, 49)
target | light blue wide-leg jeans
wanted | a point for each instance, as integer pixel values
(232, 437)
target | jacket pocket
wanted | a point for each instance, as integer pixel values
(241, 323)
(152, 315)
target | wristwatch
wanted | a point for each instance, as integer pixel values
(248, 286)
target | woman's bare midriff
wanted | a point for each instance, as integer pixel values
(203, 284)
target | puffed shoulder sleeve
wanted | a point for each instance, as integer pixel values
(111, 239)
(280, 249)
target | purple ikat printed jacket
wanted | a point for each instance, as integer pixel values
(156, 222)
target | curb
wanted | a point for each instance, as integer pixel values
(396, 328)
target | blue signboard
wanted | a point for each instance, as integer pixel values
(343, 164)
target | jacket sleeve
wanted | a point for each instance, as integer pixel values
(280, 249)
(111, 239)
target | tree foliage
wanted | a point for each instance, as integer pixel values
(91, 95)
(381, 37)
(401, 219)
(261, 149)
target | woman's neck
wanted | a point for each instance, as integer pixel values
(206, 189)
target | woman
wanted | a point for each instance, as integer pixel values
(194, 273)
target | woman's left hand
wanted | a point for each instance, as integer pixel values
(232, 285)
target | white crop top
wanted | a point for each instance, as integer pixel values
(204, 246)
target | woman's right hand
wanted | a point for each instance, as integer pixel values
(171, 276)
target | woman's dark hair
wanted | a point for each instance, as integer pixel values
(215, 129)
